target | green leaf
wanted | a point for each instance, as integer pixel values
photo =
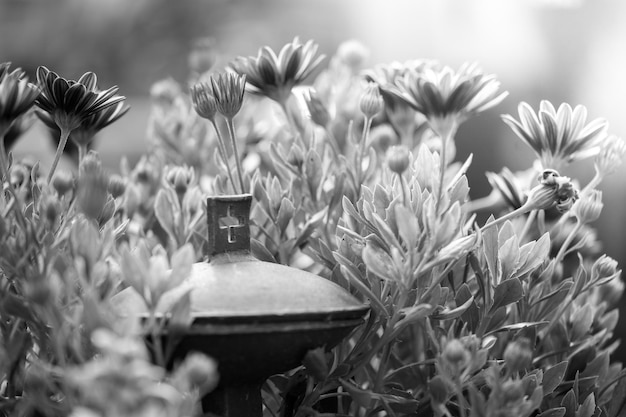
(285, 214)
(380, 263)
(537, 254)
(509, 257)
(553, 412)
(376, 304)
(164, 205)
(552, 377)
(570, 403)
(408, 227)
(361, 397)
(260, 251)
(508, 292)
(618, 400)
(455, 312)
(471, 315)
(313, 170)
(588, 407)
(490, 248)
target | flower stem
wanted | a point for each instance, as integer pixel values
(359, 160)
(62, 141)
(446, 131)
(222, 149)
(508, 216)
(82, 151)
(563, 249)
(231, 131)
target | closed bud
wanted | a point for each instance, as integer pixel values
(518, 355)
(353, 54)
(203, 55)
(438, 390)
(165, 92)
(604, 268)
(93, 183)
(588, 208)
(398, 158)
(511, 391)
(371, 101)
(456, 354)
(117, 185)
(199, 371)
(203, 101)
(180, 178)
(63, 182)
(317, 110)
(383, 136)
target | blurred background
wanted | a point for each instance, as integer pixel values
(560, 50)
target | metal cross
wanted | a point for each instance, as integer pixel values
(231, 223)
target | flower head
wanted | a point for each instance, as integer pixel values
(317, 109)
(553, 190)
(588, 208)
(228, 90)
(612, 151)
(17, 95)
(508, 186)
(203, 100)
(275, 75)
(69, 103)
(398, 158)
(371, 101)
(441, 92)
(557, 136)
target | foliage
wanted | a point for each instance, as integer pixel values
(354, 178)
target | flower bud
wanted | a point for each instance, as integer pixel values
(180, 178)
(603, 268)
(610, 156)
(165, 92)
(588, 208)
(456, 354)
(317, 109)
(203, 101)
(93, 185)
(383, 136)
(228, 90)
(117, 185)
(518, 355)
(63, 181)
(372, 101)
(398, 158)
(438, 390)
(50, 208)
(353, 54)
(511, 391)
(553, 190)
(200, 371)
(203, 55)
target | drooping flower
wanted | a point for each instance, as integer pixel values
(557, 136)
(70, 103)
(554, 190)
(275, 75)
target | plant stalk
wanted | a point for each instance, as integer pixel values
(65, 134)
